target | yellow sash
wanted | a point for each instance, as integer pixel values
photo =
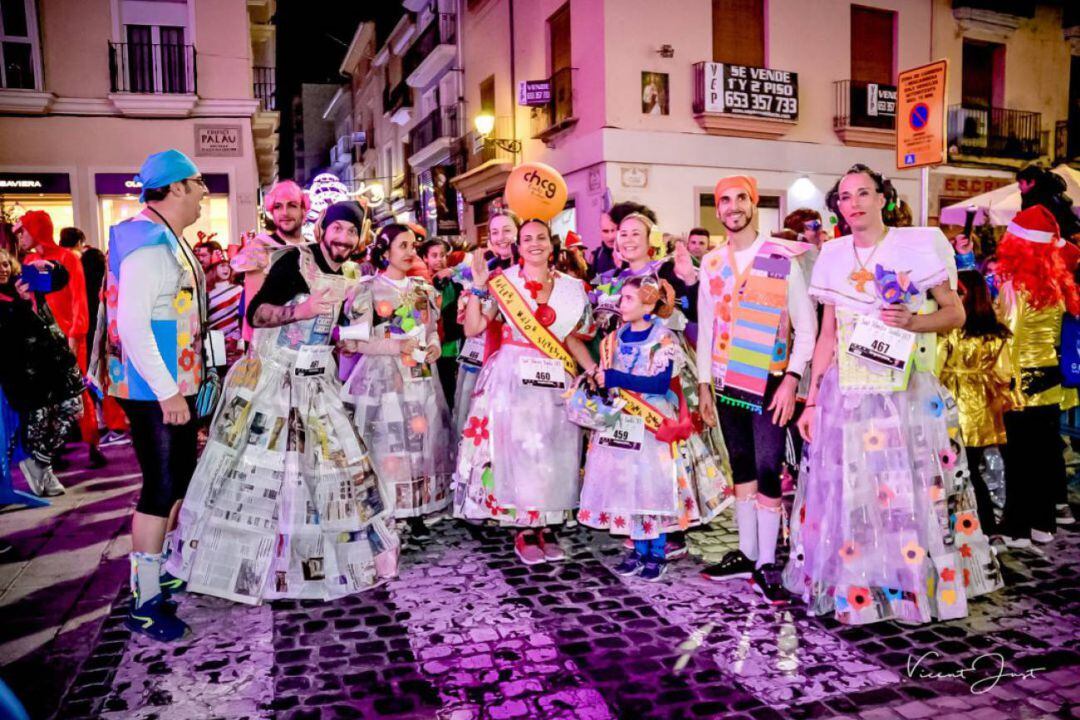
(635, 403)
(515, 308)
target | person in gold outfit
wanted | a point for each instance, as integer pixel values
(974, 367)
(1037, 289)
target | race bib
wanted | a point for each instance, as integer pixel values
(472, 352)
(875, 342)
(312, 360)
(627, 434)
(542, 373)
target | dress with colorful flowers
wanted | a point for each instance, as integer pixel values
(519, 461)
(397, 403)
(884, 524)
(642, 486)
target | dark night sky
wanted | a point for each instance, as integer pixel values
(312, 38)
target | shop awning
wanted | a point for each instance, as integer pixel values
(483, 180)
(1004, 202)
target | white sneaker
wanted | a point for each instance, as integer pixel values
(34, 472)
(1019, 543)
(1063, 515)
(52, 484)
(1042, 537)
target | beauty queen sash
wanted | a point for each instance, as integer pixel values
(517, 311)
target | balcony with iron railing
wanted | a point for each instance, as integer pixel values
(442, 122)
(432, 53)
(744, 101)
(557, 115)
(864, 113)
(265, 87)
(992, 132)
(152, 68)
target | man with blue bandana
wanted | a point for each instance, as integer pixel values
(155, 304)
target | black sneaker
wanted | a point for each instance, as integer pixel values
(734, 566)
(631, 565)
(768, 583)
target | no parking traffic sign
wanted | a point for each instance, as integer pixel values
(920, 112)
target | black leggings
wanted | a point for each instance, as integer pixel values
(1034, 470)
(983, 500)
(755, 445)
(166, 455)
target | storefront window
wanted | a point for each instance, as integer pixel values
(118, 200)
(214, 217)
(58, 206)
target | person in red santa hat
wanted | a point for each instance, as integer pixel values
(1037, 289)
(34, 231)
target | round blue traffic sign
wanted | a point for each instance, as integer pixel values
(920, 115)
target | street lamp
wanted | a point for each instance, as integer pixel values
(485, 125)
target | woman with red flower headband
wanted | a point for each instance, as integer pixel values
(519, 459)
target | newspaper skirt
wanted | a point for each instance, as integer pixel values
(520, 457)
(284, 502)
(884, 524)
(405, 423)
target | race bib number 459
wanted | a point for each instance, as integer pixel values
(628, 434)
(542, 373)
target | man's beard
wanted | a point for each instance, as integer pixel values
(337, 253)
(746, 223)
(284, 229)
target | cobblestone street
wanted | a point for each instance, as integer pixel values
(466, 631)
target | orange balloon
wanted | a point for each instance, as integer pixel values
(535, 190)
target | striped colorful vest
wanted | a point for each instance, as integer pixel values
(751, 329)
(176, 320)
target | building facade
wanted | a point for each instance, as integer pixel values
(90, 88)
(636, 102)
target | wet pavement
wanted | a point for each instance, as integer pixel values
(466, 631)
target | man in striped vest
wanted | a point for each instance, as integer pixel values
(756, 336)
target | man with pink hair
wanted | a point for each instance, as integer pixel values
(286, 204)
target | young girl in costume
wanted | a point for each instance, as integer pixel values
(394, 389)
(638, 474)
(884, 524)
(975, 370)
(636, 223)
(520, 457)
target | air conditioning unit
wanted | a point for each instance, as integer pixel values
(333, 155)
(359, 138)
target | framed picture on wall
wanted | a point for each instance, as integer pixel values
(654, 93)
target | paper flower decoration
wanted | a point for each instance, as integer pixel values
(859, 597)
(893, 287)
(913, 553)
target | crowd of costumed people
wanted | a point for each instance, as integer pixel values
(305, 405)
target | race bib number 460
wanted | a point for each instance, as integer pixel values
(542, 373)
(628, 434)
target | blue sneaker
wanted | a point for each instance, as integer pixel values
(156, 620)
(653, 569)
(631, 565)
(171, 585)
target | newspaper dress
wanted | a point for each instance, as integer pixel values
(397, 401)
(636, 484)
(884, 524)
(285, 502)
(519, 461)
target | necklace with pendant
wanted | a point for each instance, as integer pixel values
(860, 276)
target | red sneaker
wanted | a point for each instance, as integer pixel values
(528, 549)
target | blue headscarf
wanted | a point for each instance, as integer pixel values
(163, 168)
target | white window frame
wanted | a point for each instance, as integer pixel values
(34, 38)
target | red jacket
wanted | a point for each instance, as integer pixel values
(68, 305)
